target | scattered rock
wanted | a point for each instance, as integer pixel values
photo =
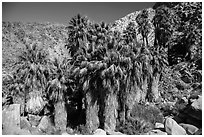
(34, 119)
(172, 128)
(190, 129)
(11, 119)
(156, 132)
(159, 125)
(99, 132)
(24, 123)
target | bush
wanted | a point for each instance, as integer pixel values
(82, 130)
(168, 109)
(134, 126)
(150, 113)
(142, 120)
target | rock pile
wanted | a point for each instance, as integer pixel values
(14, 124)
(187, 122)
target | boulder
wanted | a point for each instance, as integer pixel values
(172, 128)
(114, 133)
(156, 132)
(99, 132)
(22, 132)
(45, 125)
(24, 123)
(19, 100)
(64, 133)
(193, 111)
(36, 131)
(34, 120)
(11, 119)
(197, 104)
(159, 125)
(190, 129)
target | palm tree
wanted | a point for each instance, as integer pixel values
(95, 71)
(163, 23)
(130, 33)
(57, 92)
(34, 67)
(28, 78)
(143, 25)
(138, 72)
(77, 30)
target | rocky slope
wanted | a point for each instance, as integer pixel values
(49, 36)
(122, 23)
(52, 37)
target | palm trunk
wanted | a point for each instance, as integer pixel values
(35, 103)
(138, 93)
(79, 107)
(154, 87)
(60, 117)
(24, 104)
(122, 103)
(144, 90)
(111, 105)
(147, 42)
(133, 96)
(143, 41)
(92, 108)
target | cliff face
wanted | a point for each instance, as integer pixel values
(122, 23)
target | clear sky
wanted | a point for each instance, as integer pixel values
(62, 12)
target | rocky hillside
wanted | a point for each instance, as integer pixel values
(49, 36)
(121, 24)
(52, 36)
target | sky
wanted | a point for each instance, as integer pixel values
(62, 12)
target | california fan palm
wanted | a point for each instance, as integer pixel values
(56, 91)
(29, 71)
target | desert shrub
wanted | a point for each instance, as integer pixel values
(150, 113)
(82, 130)
(181, 80)
(134, 126)
(168, 109)
(143, 117)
